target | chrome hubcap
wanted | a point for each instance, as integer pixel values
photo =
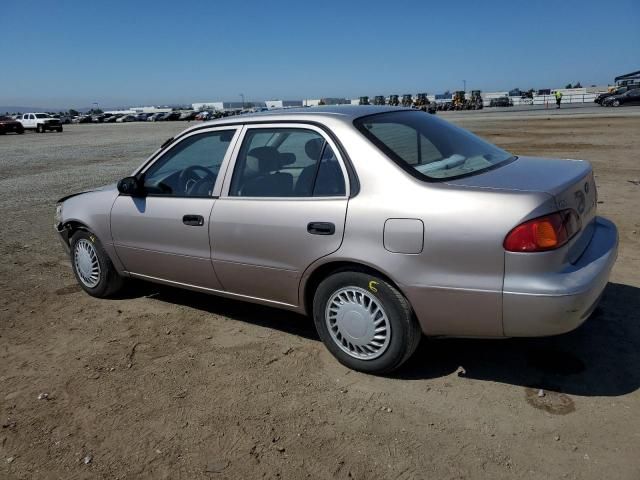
(86, 262)
(357, 323)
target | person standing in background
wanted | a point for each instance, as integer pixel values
(558, 98)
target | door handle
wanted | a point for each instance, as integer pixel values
(321, 228)
(193, 220)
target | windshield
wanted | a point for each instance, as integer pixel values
(430, 148)
(42, 115)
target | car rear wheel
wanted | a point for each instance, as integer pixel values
(20, 131)
(365, 322)
(92, 267)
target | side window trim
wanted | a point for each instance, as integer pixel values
(226, 185)
(223, 166)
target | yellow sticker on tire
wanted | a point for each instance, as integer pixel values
(372, 286)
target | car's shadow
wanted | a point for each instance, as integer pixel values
(601, 358)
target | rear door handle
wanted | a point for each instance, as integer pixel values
(193, 220)
(321, 228)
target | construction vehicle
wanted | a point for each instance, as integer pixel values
(394, 100)
(422, 103)
(378, 100)
(476, 100)
(364, 101)
(459, 101)
(407, 100)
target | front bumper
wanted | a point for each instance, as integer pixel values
(558, 302)
(63, 236)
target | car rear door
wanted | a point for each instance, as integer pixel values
(283, 206)
(164, 235)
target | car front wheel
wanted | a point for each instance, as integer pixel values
(92, 267)
(365, 322)
(616, 103)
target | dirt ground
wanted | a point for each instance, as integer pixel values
(180, 385)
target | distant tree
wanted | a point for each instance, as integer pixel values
(321, 102)
(568, 85)
(577, 85)
(95, 111)
(73, 112)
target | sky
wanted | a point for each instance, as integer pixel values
(72, 53)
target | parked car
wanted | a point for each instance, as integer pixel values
(84, 119)
(126, 118)
(155, 117)
(501, 102)
(203, 116)
(170, 117)
(111, 119)
(187, 116)
(616, 91)
(340, 214)
(630, 97)
(40, 122)
(8, 124)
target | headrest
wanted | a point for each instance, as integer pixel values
(268, 158)
(313, 148)
(287, 158)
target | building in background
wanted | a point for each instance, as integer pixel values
(632, 78)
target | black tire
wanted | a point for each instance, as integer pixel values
(59, 129)
(40, 128)
(109, 281)
(20, 131)
(405, 332)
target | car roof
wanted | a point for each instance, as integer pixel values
(345, 113)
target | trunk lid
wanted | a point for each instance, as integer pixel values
(570, 182)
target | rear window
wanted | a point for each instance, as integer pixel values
(430, 148)
(42, 115)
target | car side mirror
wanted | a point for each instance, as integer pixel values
(131, 186)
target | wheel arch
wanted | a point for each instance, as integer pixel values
(315, 275)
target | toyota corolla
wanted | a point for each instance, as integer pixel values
(381, 223)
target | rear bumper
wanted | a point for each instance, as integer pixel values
(558, 302)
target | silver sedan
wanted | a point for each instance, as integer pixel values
(383, 224)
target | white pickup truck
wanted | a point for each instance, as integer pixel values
(40, 122)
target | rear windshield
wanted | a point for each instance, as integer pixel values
(430, 148)
(42, 115)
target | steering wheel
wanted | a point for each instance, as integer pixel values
(189, 179)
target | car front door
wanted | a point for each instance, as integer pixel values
(283, 206)
(634, 97)
(164, 235)
(28, 120)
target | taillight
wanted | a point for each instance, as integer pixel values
(543, 233)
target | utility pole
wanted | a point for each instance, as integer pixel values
(242, 96)
(464, 85)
